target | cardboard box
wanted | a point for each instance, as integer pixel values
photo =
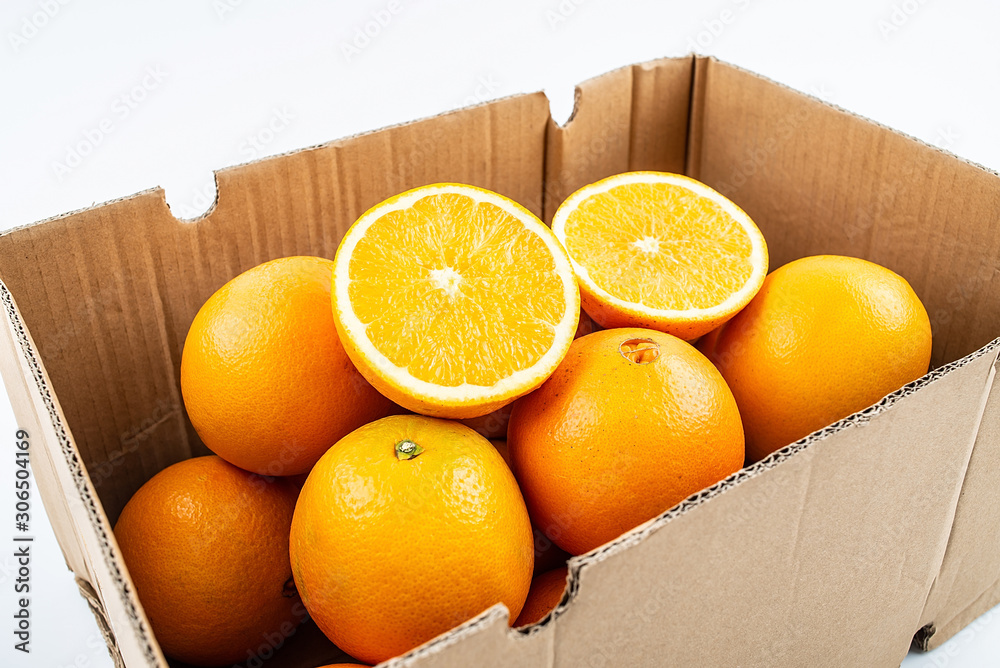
(837, 550)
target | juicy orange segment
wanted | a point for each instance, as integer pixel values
(453, 299)
(660, 250)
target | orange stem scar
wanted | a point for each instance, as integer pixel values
(639, 351)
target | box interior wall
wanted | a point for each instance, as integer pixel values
(108, 293)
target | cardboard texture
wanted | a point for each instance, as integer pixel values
(632, 118)
(969, 581)
(834, 551)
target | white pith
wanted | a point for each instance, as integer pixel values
(647, 244)
(448, 279)
(758, 254)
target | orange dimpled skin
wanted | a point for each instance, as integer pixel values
(547, 554)
(631, 423)
(265, 380)
(404, 529)
(825, 337)
(206, 545)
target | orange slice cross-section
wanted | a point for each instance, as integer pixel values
(659, 250)
(453, 300)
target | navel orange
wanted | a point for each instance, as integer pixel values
(405, 528)
(660, 250)
(631, 423)
(453, 300)
(265, 380)
(545, 593)
(825, 337)
(206, 545)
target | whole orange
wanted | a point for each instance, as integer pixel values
(492, 425)
(265, 380)
(548, 555)
(825, 337)
(206, 545)
(545, 593)
(631, 423)
(405, 528)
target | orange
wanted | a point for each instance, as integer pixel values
(494, 425)
(206, 545)
(548, 555)
(585, 325)
(453, 300)
(298, 480)
(825, 337)
(405, 528)
(501, 446)
(659, 250)
(266, 383)
(631, 423)
(545, 593)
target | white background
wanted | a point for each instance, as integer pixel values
(240, 79)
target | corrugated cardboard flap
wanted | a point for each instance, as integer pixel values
(968, 583)
(870, 192)
(76, 514)
(851, 523)
(860, 514)
(633, 118)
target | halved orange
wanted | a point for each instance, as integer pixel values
(453, 300)
(662, 251)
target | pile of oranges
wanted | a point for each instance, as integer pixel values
(351, 406)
